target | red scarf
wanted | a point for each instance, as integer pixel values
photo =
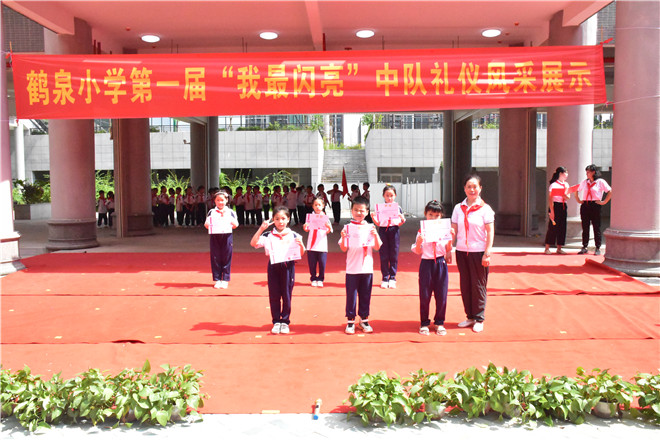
(466, 212)
(590, 195)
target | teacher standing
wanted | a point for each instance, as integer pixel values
(473, 222)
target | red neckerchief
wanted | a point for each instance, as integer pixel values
(590, 196)
(221, 212)
(466, 212)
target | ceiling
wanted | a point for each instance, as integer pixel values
(305, 25)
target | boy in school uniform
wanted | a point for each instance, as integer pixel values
(239, 202)
(250, 217)
(359, 267)
(300, 204)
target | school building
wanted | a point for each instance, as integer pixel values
(631, 76)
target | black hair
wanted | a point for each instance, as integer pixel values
(319, 198)
(366, 184)
(239, 187)
(292, 185)
(470, 177)
(354, 187)
(389, 187)
(359, 200)
(433, 206)
(255, 187)
(220, 192)
(593, 168)
(282, 208)
(556, 174)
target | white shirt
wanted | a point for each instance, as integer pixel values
(598, 188)
(292, 199)
(431, 250)
(249, 201)
(266, 238)
(359, 259)
(220, 222)
(557, 185)
(477, 220)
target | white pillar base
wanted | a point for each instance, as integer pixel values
(10, 260)
(636, 253)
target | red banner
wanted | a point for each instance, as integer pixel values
(137, 86)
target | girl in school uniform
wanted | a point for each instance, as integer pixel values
(590, 197)
(473, 222)
(317, 246)
(102, 209)
(557, 211)
(433, 274)
(281, 276)
(389, 234)
(220, 221)
(110, 203)
(276, 199)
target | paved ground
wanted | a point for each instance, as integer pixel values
(293, 426)
(335, 426)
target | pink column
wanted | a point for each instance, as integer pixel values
(9, 255)
(570, 128)
(633, 239)
(71, 147)
(132, 159)
(516, 181)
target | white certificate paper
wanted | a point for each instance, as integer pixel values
(286, 249)
(387, 213)
(360, 236)
(317, 221)
(436, 230)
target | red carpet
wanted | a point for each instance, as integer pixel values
(69, 312)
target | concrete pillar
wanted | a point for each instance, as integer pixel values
(570, 128)
(9, 254)
(132, 174)
(633, 239)
(447, 160)
(462, 157)
(213, 152)
(516, 182)
(71, 148)
(198, 157)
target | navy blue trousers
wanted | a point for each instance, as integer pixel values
(281, 277)
(473, 280)
(389, 251)
(590, 215)
(433, 281)
(336, 211)
(222, 249)
(358, 287)
(314, 259)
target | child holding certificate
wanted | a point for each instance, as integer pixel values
(318, 225)
(433, 243)
(283, 246)
(220, 221)
(357, 240)
(388, 218)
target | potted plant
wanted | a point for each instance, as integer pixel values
(607, 394)
(557, 397)
(507, 390)
(647, 390)
(430, 390)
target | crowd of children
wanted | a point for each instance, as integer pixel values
(300, 205)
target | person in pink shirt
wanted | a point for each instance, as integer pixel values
(359, 267)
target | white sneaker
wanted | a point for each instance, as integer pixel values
(224, 285)
(350, 328)
(384, 285)
(218, 284)
(478, 327)
(424, 330)
(364, 325)
(466, 323)
(284, 329)
(319, 284)
(440, 330)
(315, 283)
(392, 284)
(277, 328)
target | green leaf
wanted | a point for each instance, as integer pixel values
(162, 417)
(146, 368)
